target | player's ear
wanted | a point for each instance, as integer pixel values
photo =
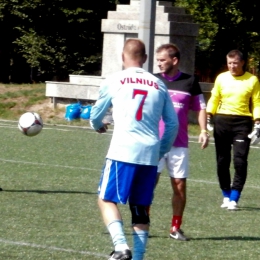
(144, 58)
(175, 60)
(123, 57)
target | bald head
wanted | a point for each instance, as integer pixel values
(134, 53)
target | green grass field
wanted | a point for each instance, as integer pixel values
(16, 98)
(49, 211)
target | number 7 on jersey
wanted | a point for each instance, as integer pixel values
(139, 112)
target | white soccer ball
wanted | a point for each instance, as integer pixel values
(30, 123)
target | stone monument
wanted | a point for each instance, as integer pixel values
(172, 24)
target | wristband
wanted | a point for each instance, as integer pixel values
(205, 131)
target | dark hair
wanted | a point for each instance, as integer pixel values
(235, 53)
(171, 48)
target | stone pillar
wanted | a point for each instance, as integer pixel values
(172, 25)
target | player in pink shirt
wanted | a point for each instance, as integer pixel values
(186, 94)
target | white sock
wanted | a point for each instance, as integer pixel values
(115, 229)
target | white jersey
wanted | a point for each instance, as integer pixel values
(139, 101)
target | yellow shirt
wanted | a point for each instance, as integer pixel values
(235, 95)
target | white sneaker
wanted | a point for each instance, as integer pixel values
(232, 205)
(225, 203)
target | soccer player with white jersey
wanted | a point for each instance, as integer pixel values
(139, 101)
(185, 94)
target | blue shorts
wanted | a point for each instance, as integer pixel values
(121, 182)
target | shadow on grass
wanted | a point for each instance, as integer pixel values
(234, 238)
(237, 238)
(248, 209)
(242, 209)
(52, 191)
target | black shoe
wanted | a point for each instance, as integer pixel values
(178, 235)
(1, 189)
(121, 255)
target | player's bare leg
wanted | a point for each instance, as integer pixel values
(109, 211)
(178, 206)
(179, 196)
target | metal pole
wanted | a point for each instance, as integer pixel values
(147, 29)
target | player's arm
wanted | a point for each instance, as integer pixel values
(198, 104)
(256, 102)
(204, 135)
(213, 102)
(256, 109)
(99, 110)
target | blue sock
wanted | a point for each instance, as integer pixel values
(226, 193)
(115, 229)
(235, 195)
(140, 238)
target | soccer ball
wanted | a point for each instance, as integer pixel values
(30, 123)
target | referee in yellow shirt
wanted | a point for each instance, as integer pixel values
(235, 105)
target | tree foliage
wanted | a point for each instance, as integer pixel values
(53, 38)
(224, 25)
(61, 37)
